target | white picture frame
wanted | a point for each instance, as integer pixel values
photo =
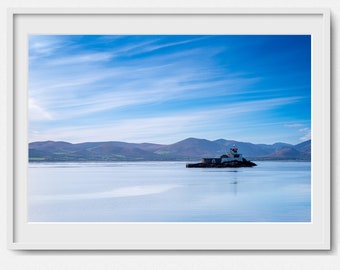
(314, 235)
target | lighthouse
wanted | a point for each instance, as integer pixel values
(232, 155)
(231, 159)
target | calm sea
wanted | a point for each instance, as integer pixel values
(168, 192)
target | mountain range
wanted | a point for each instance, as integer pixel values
(188, 149)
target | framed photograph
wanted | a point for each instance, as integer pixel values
(169, 129)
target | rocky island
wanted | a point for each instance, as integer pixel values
(232, 159)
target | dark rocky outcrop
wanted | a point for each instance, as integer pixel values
(230, 164)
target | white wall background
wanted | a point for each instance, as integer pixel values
(172, 260)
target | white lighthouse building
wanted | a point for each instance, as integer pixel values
(232, 155)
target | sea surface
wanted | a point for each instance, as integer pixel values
(168, 192)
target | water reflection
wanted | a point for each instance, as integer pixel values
(234, 182)
(169, 192)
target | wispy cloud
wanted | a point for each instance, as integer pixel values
(106, 89)
(44, 45)
(168, 128)
(306, 134)
(82, 59)
(294, 125)
(37, 112)
(154, 88)
(151, 47)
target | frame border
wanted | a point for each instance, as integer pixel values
(325, 244)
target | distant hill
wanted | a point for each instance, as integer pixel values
(188, 149)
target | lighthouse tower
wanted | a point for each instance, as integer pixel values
(232, 155)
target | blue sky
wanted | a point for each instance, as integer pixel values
(163, 89)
